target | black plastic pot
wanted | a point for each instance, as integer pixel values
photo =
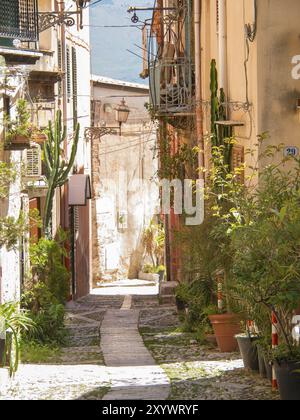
(161, 275)
(261, 362)
(248, 351)
(2, 350)
(288, 380)
(269, 369)
(181, 305)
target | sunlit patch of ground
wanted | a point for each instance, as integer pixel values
(199, 372)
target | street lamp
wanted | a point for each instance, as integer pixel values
(122, 113)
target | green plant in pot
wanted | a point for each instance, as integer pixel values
(226, 324)
(266, 264)
(13, 323)
(248, 348)
(161, 271)
(221, 182)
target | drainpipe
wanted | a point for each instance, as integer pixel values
(222, 46)
(198, 87)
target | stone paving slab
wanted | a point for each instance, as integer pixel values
(132, 370)
(48, 382)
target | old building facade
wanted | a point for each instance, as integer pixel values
(242, 54)
(46, 63)
(125, 195)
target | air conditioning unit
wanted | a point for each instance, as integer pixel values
(33, 163)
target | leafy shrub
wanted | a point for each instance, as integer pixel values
(47, 314)
(47, 290)
(16, 321)
(46, 258)
(262, 224)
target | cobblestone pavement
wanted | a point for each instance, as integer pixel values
(133, 372)
(195, 372)
(78, 372)
(198, 372)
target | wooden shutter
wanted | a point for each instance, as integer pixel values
(217, 15)
(35, 232)
(68, 73)
(75, 86)
(59, 64)
(33, 163)
(237, 161)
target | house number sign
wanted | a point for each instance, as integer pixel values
(291, 151)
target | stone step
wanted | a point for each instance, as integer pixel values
(168, 288)
(167, 300)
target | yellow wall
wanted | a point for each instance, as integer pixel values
(272, 91)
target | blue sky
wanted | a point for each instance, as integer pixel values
(109, 45)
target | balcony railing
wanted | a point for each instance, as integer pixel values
(171, 86)
(19, 20)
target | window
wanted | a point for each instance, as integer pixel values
(237, 161)
(68, 73)
(75, 86)
(33, 163)
(59, 64)
(19, 20)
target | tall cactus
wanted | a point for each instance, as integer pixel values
(214, 102)
(58, 168)
(219, 113)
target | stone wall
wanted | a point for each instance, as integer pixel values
(122, 206)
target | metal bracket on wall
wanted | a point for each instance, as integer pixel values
(91, 133)
(48, 20)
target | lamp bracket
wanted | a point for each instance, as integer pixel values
(48, 20)
(91, 133)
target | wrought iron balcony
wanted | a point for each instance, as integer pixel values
(171, 86)
(19, 20)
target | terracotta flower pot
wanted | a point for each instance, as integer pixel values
(226, 327)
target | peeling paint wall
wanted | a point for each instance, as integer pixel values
(122, 206)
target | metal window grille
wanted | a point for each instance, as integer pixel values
(19, 19)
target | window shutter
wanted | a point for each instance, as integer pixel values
(76, 220)
(33, 163)
(59, 65)
(217, 15)
(237, 161)
(75, 86)
(68, 73)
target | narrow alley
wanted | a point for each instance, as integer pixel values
(125, 346)
(149, 201)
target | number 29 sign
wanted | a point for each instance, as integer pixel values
(292, 151)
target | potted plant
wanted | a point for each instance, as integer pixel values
(149, 273)
(287, 368)
(2, 340)
(13, 321)
(226, 324)
(154, 244)
(19, 133)
(248, 348)
(161, 271)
